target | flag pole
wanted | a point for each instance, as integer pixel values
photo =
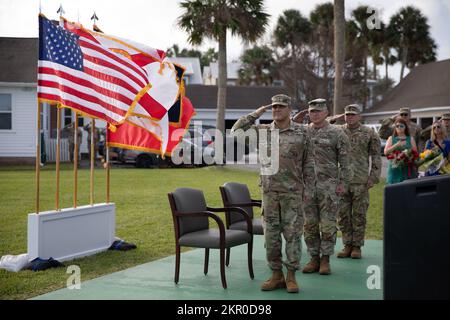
(107, 167)
(75, 161)
(58, 143)
(38, 154)
(92, 160)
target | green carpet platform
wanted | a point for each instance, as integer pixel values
(154, 280)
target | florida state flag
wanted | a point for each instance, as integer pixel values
(129, 136)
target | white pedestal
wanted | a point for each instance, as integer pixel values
(72, 232)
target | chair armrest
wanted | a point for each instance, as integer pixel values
(216, 209)
(246, 217)
(202, 214)
(248, 204)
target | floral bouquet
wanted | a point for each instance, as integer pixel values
(401, 159)
(431, 162)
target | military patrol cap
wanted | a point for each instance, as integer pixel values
(405, 110)
(282, 100)
(317, 104)
(445, 116)
(352, 109)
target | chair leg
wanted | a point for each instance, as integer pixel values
(250, 259)
(205, 270)
(227, 261)
(177, 264)
(222, 267)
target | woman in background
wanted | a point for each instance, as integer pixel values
(400, 140)
(438, 134)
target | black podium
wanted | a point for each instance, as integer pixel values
(417, 239)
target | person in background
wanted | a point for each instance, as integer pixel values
(70, 132)
(438, 140)
(387, 126)
(96, 141)
(400, 140)
(445, 121)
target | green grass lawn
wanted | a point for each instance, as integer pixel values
(142, 216)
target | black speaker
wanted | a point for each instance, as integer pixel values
(417, 239)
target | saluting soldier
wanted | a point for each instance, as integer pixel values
(282, 191)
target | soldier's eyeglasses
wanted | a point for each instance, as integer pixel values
(404, 114)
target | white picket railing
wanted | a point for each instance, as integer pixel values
(50, 149)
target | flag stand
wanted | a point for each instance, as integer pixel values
(92, 152)
(58, 143)
(75, 161)
(38, 154)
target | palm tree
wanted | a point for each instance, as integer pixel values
(292, 30)
(212, 19)
(363, 40)
(339, 53)
(388, 41)
(322, 24)
(257, 64)
(414, 44)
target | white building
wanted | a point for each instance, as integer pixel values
(193, 72)
(211, 73)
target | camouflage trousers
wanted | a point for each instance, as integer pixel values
(352, 215)
(321, 209)
(283, 215)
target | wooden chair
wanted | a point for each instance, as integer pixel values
(191, 223)
(237, 195)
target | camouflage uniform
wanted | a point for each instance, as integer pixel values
(96, 140)
(446, 116)
(70, 130)
(331, 158)
(282, 192)
(364, 144)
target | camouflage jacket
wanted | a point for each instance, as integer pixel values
(331, 154)
(295, 162)
(364, 143)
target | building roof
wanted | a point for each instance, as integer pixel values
(18, 59)
(192, 66)
(238, 97)
(427, 85)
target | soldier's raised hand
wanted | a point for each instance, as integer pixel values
(298, 117)
(262, 109)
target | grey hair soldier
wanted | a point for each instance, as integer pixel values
(333, 174)
(282, 191)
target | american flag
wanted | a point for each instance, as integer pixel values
(112, 79)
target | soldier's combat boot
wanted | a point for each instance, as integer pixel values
(313, 265)
(291, 283)
(325, 265)
(346, 252)
(275, 282)
(356, 253)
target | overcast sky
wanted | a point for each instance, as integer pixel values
(153, 22)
